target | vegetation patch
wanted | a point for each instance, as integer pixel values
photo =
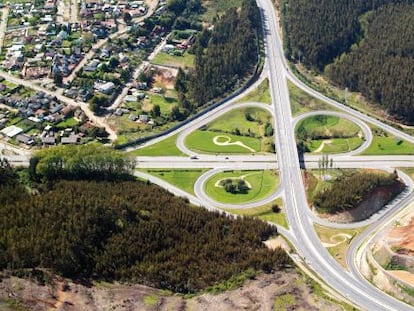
(328, 134)
(302, 102)
(166, 147)
(183, 179)
(355, 193)
(260, 184)
(284, 302)
(128, 231)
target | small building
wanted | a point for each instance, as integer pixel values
(11, 131)
(72, 139)
(49, 140)
(25, 139)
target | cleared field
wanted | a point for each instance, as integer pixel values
(165, 59)
(203, 141)
(261, 183)
(389, 145)
(183, 179)
(166, 147)
(337, 241)
(264, 212)
(329, 134)
(261, 94)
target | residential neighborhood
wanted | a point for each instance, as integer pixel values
(109, 63)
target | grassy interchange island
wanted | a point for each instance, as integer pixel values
(329, 134)
(259, 185)
(242, 130)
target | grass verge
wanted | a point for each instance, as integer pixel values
(166, 147)
(183, 179)
(261, 94)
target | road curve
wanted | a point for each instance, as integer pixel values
(207, 201)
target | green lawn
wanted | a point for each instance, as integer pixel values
(166, 103)
(336, 145)
(264, 212)
(202, 141)
(183, 179)
(165, 147)
(236, 118)
(302, 102)
(164, 59)
(69, 122)
(342, 135)
(389, 145)
(261, 94)
(263, 184)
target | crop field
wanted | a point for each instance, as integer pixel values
(262, 184)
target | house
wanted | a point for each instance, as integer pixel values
(72, 139)
(106, 88)
(25, 139)
(49, 140)
(91, 67)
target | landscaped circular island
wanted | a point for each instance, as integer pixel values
(239, 187)
(329, 133)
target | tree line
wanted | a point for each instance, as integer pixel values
(127, 231)
(88, 162)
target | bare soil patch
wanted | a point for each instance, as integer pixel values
(405, 236)
(258, 294)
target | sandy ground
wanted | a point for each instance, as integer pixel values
(258, 294)
(403, 275)
(405, 235)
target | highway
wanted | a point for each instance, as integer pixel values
(299, 215)
(352, 286)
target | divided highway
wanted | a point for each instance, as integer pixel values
(355, 288)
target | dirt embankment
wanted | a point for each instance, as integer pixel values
(371, 204)
(404, 238)
(259, 294)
